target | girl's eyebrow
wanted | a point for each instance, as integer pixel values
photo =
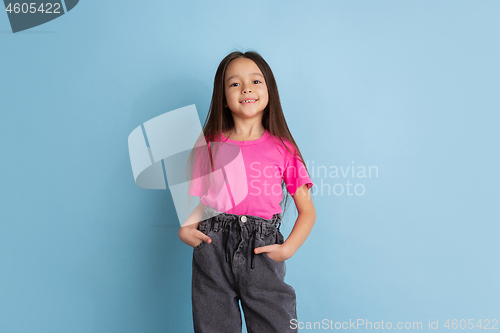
(238, 76)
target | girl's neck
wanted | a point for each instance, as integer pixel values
(245, 134)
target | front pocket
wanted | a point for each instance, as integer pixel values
(280, 239)
(202, 244)
(204, 227)
(197, 247)
(274, 237)
(279, 262)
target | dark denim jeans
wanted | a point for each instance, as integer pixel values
(227, 271)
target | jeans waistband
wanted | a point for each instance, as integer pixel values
(215, 220)
(226, 217)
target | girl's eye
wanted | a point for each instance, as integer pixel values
(233, 84)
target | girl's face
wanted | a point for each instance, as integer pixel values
(244, 81)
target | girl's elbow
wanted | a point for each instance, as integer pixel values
(310, 213)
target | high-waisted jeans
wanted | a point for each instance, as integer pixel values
(227, 271)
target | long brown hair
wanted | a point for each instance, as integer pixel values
(220, 119)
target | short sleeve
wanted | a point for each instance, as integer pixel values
(295, 174)
(198, 185)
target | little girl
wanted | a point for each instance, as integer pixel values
(238, 250)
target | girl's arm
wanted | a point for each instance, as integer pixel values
(189, 233)
(300, 231)
(305, 221)
(195, 217)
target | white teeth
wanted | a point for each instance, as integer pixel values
(249, 101)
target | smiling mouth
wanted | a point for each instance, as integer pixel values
(249, 101)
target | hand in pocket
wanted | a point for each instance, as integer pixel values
(193, 237)
(277, 252)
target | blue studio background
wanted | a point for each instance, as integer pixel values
(409, 88)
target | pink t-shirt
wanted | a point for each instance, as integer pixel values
(247, 178)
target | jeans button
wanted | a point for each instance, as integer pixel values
(243, 218)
